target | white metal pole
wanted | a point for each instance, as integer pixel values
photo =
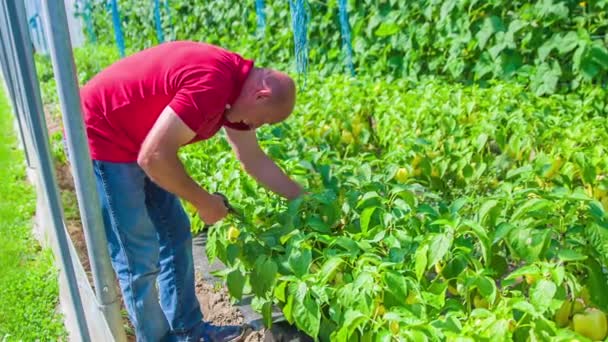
(26, 71)
(60, 49)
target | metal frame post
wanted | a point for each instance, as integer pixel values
(7, 75)
(14, 12)
(9, 66)
(116, 22)
(4, 63)
(158, 22)
(60, 50)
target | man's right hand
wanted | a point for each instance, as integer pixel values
(213, 209)
(158, 158)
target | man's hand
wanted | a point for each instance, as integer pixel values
(259, 165)
(158, 158)
(213, 210)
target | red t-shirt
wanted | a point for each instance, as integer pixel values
(122, 103)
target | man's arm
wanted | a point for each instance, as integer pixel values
(259, 165)
(158, 158)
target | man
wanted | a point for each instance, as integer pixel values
(138, 112)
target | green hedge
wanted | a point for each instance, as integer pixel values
(549, 44)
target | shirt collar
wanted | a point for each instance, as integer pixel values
(242, 72)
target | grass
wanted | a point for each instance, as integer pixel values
(28, 279)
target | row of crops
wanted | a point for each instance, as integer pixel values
(437, 212)
(549, 45)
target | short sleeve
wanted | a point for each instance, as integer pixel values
(200, 101)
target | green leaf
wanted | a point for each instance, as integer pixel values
(328, 327)
(458, 204)
(597, 282)
(541, 294)
(367, 336)
(484, 240)
(500, 327)
(589, 68)
(407, 195)
(570, 255)
(438, 248)
(483, 66)
(568, 42)
(514, 27)
(352, 320)
(524, 169)
(512, 61)
(263, 275)
(348, 244)
(396, 288)
(545, 80)
(288, 309)
(529, 244)
(366, 216)
(327, 197)
(236, 282)
(487, 288)
(369, 199)
(447, 8)
(534, 204)
(267, 314)
(417, 335)
(545, 49)
(329, 269)
(467, 171)
(284, 238)
(279, 291)
(384, 336)
(426, 166)
(524, 270)
(558, 274)
(306, 311)
(544, 327)
(421, 260)
(577, 58)
(496, 50)
(599, 54)
(299, 260)
(589, 173)
(317, 224)
(294, 206)
(232, 253)
(211, 246)
(455, 266)
(481, 141)
(525, 307)
(485, 209)
(490, 26)
(387, 29)
(596, 210)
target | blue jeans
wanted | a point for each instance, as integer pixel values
(150, 244)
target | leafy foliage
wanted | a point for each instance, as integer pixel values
(500, 220)
(547, 44)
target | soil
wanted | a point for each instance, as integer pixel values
(217, 308)
(214, 300)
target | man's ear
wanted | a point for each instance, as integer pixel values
(263, 93)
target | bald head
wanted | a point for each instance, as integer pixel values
(282, 93)
(268, 96)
